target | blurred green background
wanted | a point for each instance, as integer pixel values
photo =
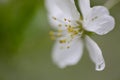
(25, 47)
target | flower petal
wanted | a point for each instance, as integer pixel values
(95, 53)
(63, 56)
(84, 7)
(63, 11)
(98, 11)
(99, 21)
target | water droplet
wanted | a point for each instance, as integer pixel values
(100, 67)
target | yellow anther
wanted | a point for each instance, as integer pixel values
(59, 25)
(63, 41)
(69, 26)
(54, 18)
(70, 29)
(59, 34)
(51, 33)
(72, 36)
(68, 47)
(53, 37)
(66, 25)
(69, 20)
(65, 19)
(76, 32)
(94, 18)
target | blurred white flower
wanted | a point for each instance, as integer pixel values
(73, 30)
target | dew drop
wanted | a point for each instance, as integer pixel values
(100, 67)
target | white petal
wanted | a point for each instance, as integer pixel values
(63, 56)
(95, 53)
(99, 11)
(62, 10)
(99, 21)
(84, 7)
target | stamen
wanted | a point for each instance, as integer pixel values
(79, 22)
(73, 30)
(60, 25)
(70, 29)
(70, 34)
(94, 18)
(54, 18)
(68, 47)
(58, 20)
(51, 33)
(53, 37)
(66, 25)
(62, 41)
(59, 35)
(65, 19)
(69, 20)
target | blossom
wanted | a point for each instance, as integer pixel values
(73, 31)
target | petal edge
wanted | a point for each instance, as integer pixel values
(95, 53)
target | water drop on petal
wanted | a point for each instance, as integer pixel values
(100, 67)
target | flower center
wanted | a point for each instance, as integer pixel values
(66, 32)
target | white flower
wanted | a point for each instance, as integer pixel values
(74, 30)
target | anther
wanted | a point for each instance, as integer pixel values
(66, 25)
(65, 19)
(69, 20)
(76, 32)
(70, 29)
(94, 18)
(68, 47)
(59, 34)
(53, 37)
(60, 25)
(62, 41)
(51, 33)
(54, 18)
